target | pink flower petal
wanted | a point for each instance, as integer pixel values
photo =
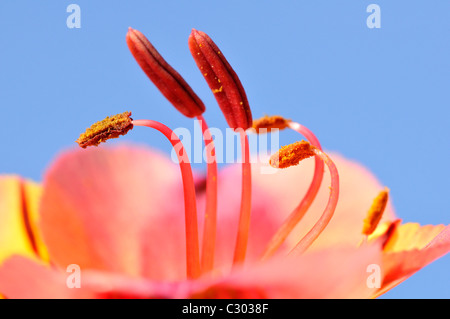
(116, 209)
(24, 278)
(27, 279)
(342, 272)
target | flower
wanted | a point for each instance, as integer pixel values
(117, 216)
(96, 212)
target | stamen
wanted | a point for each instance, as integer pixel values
(299, 212)
(232, 100)
(190, 205)
(117, 125)
(210, 223)
(323, 221)
(110, 127)
(376, 212)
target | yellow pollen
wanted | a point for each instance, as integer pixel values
(291, 154)
(218, 90)
(270, 122)
(375, 212)
(110, 127)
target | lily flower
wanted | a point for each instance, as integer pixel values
(117, 222)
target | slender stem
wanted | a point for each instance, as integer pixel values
(246, 198)
(192, 248)
(210, 223)
(297, 214)
(323, 221)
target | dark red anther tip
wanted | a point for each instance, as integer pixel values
(165, 78)
(222, 80)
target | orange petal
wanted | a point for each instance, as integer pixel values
(18, 218)
(341, 272)
(412, 248)
(412, 236)
(115, 209)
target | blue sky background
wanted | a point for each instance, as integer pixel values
(380, 96)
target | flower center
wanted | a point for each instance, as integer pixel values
(232, 100)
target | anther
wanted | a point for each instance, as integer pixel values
(291, 154)
(169, 82)
(110, 127)
(375, 212)
(222, 80)
(263, 124)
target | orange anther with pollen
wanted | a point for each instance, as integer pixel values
(291, 154)
(376, 212)
(270, 122)
(110, 127)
